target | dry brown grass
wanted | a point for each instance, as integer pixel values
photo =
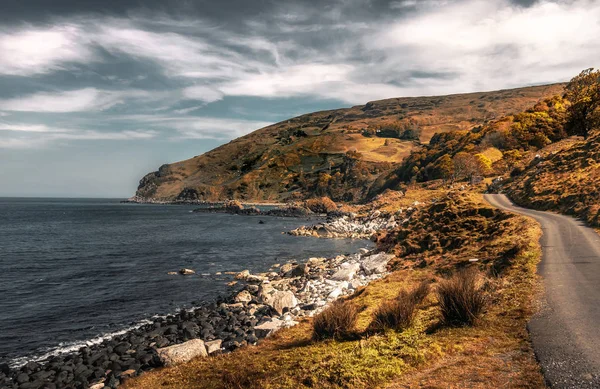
(338, 321)
(461, 298)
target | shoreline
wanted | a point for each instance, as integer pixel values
(140, 200)
(259, 305)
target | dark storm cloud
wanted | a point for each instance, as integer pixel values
(524, 3)
(192, 59)
(227, 12)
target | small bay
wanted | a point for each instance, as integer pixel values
(72, 270)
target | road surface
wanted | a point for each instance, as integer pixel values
(566, 333)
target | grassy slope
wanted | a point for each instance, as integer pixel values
(275, 162)
(497, 353)
(567, 180)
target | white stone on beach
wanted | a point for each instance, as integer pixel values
(268, 328)
(181, 353)
(337, 292)
(242, 275)
(243, 297)
(280, 300)
(213, 346)
(346, 273)
(376, 264)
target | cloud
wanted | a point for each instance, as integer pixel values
(214, 128)
(36, 51)
(38, 136)
(179, 55)
(195, 127)
(81, 100)
(494, 44)
(27, 128)
(404, 4)
(203, 93)
(346, 53)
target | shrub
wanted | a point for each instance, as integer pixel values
(517, 171)
(321, 205)
(461, 298)
(399, 313)
(396, 314)
(338, 322)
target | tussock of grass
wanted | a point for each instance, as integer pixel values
(338, 321)
(420, 293)
(461, 298)
(399, 313)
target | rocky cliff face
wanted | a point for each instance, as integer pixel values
(336, 153)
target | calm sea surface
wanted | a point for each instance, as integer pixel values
(74, 270)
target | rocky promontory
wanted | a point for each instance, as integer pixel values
(350, 225)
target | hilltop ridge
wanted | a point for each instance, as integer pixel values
(338, 153)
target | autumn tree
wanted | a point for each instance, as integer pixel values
(467, 165)
(445, 167)
(583, 91)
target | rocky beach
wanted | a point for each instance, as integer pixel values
(258, 305)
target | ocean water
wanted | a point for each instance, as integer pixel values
(78, 270)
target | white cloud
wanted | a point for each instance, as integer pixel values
(87, 99)
(417, 3)
(37, 136)
(180, 55)
(214, 128)
(203, 93)
(27, 128)
(37, 51)
(494, 44)
(195, 127)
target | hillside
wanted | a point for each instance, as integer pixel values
(566, 178)
(498, 148)
(338, 153)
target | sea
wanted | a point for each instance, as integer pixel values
(78, 271)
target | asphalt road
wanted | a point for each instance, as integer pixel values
(566, 333)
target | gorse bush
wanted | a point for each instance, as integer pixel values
(338, 322)
(399, 313)
(461, 298)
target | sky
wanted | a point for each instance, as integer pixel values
(95, 94)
